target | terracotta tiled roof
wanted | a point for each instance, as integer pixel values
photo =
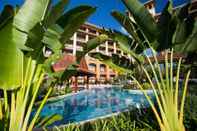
(67, 60)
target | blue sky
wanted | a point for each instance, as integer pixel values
(104, 7)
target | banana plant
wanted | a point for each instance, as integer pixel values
(24, 33)
(121, 64)
(174, 29)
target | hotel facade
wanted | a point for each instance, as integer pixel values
(103, 73)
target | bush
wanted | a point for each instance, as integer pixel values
(190, 118)
(142, 119)
(146, 85)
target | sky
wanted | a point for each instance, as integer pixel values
(102, 16)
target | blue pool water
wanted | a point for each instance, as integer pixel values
(93, 103)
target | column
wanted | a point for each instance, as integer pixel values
(106, 48)
(97, 48)
(97, 72)
(74, 43)
(107, 73)
(114, 47)
(87, 38)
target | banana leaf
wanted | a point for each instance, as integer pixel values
(91, 44)
(31, 13)
(51, 38)
(55, 13)
(191, 43)
(143, 19)
(34, 41)
(125, 43)
(6, 14)
(70, 71)
(12, 58)
(73, 19)
(108, 61)
(166, 25)
(127, 23)
(185, 24)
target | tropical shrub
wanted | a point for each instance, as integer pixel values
(137, 119)
(175, 29)
(190, 111)
(25, 33)
(146, 85)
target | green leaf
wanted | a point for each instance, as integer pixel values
(12, 58)
(126, 43)
(185, 24)
(48, 120)
(68, 72)
(167, 25)
(6, 14)
(35, 42)
(91, 44)
(143, 19)
(73, 19)
(127, 23)
(56, 12)
(191, 43)
(108, 61)
(31, 13)
(51, 38)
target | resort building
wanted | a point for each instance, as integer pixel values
(103, 74)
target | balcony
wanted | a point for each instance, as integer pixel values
(68, 46)
(79, 48)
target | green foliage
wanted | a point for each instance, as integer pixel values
(190, 109)
(174, 29)
(146, 85)
(12, 64)
(110, 62)
(48, 120)
(24, 34)
(135, 120)
(72, 20)
(143, 19)
(169, 114)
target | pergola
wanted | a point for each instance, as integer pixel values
(161, 57)
(82, 69)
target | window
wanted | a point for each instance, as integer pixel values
(92, 67)
(102, 68)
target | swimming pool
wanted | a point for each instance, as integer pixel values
(94, 103)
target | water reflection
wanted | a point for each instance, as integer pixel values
(93, 103)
